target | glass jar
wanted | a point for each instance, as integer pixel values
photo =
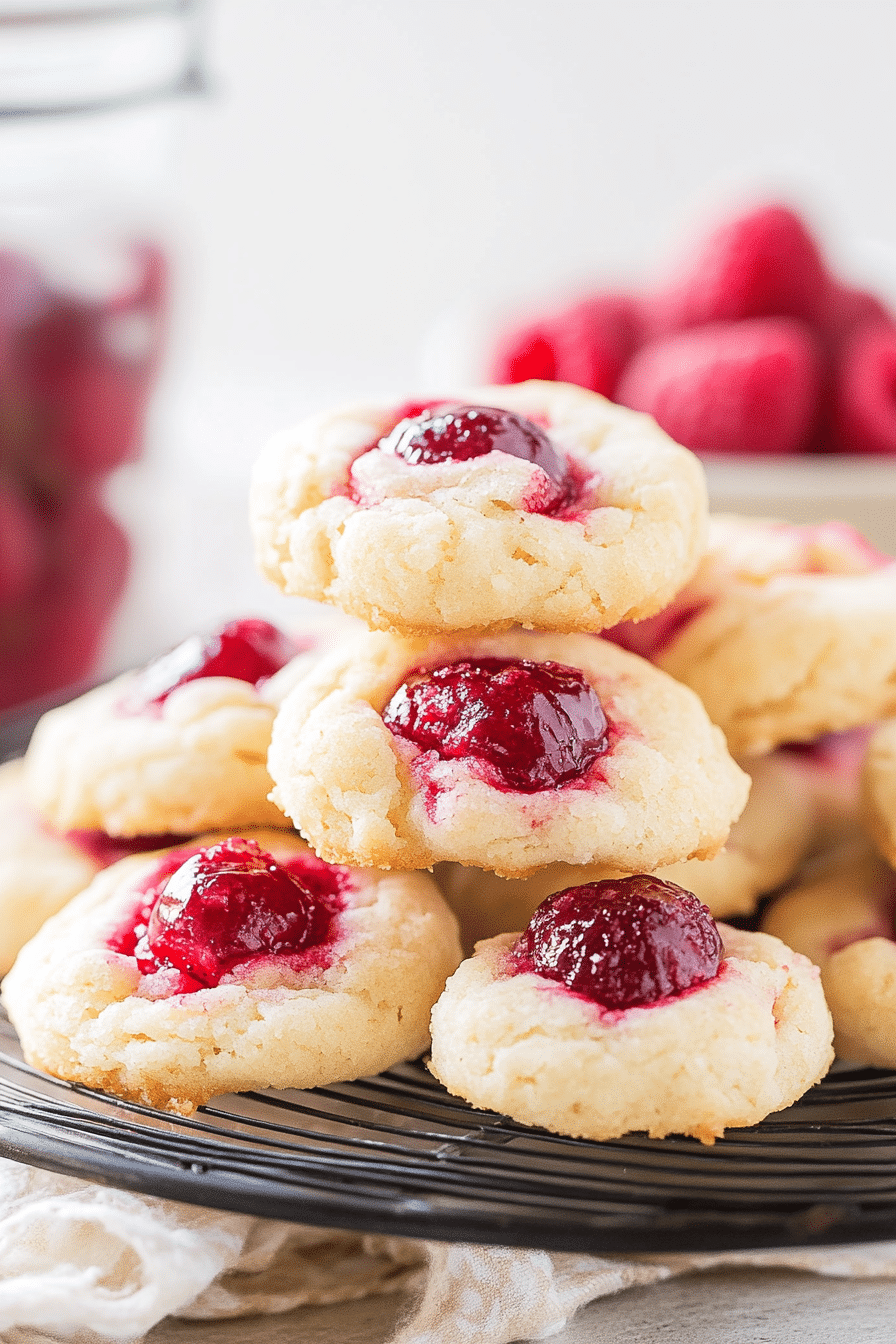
(85, 129)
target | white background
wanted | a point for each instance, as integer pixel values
(361, 168)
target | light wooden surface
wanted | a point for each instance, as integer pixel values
(723, 1307)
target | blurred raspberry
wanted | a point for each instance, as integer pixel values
(594, 338)
(732, 387)
(865, 392)
(524, 354)
(587, 344)
(761, 264)
(850, 308)
(22, 544)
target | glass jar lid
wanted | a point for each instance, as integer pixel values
(66, 56)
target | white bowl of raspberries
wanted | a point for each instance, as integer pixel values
(751, 351)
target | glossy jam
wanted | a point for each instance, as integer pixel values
(227, 905)
(458, 433)
(248, 650)
(147, 891)
(532, 725)
(623, 943)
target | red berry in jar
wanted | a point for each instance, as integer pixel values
(85, 365)
(23, 546)
(52, 635)
(626, 942)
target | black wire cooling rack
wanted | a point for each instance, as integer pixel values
(397, 1154)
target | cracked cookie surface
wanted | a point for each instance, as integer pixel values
(84, 1012)
(427, 548)
(195, 764)
(765, 844)
(842, 917)
(727, 1052)
(785, 632)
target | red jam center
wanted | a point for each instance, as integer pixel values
(227, 905)
(248, 650)
(623, 943)
(534, 725)
(456, 433)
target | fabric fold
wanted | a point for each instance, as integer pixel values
(86, 1261)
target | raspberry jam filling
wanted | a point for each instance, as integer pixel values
(457, 433)
(532, 725)
(624, 943)
(248, 650)
(205, 911)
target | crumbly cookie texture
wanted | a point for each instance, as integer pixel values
(785, 632)
(40, 871)
(829, 772)
(726, 1053)
(771, 837)
(879, 790)
(194, 763)
(766, 843)
(843, 919)
(78, 1008)
(666, 789)
(450, 546)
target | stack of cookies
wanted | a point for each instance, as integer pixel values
(572, 794)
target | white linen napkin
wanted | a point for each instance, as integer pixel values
(103, 1264)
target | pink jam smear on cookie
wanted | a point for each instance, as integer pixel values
(880, 921)
(532, 726)
(202, 912)
(250, 650)
(652, 636)
(882, 927)
(452, 432)
(108, 849)
(832, 548)
(623, 943)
